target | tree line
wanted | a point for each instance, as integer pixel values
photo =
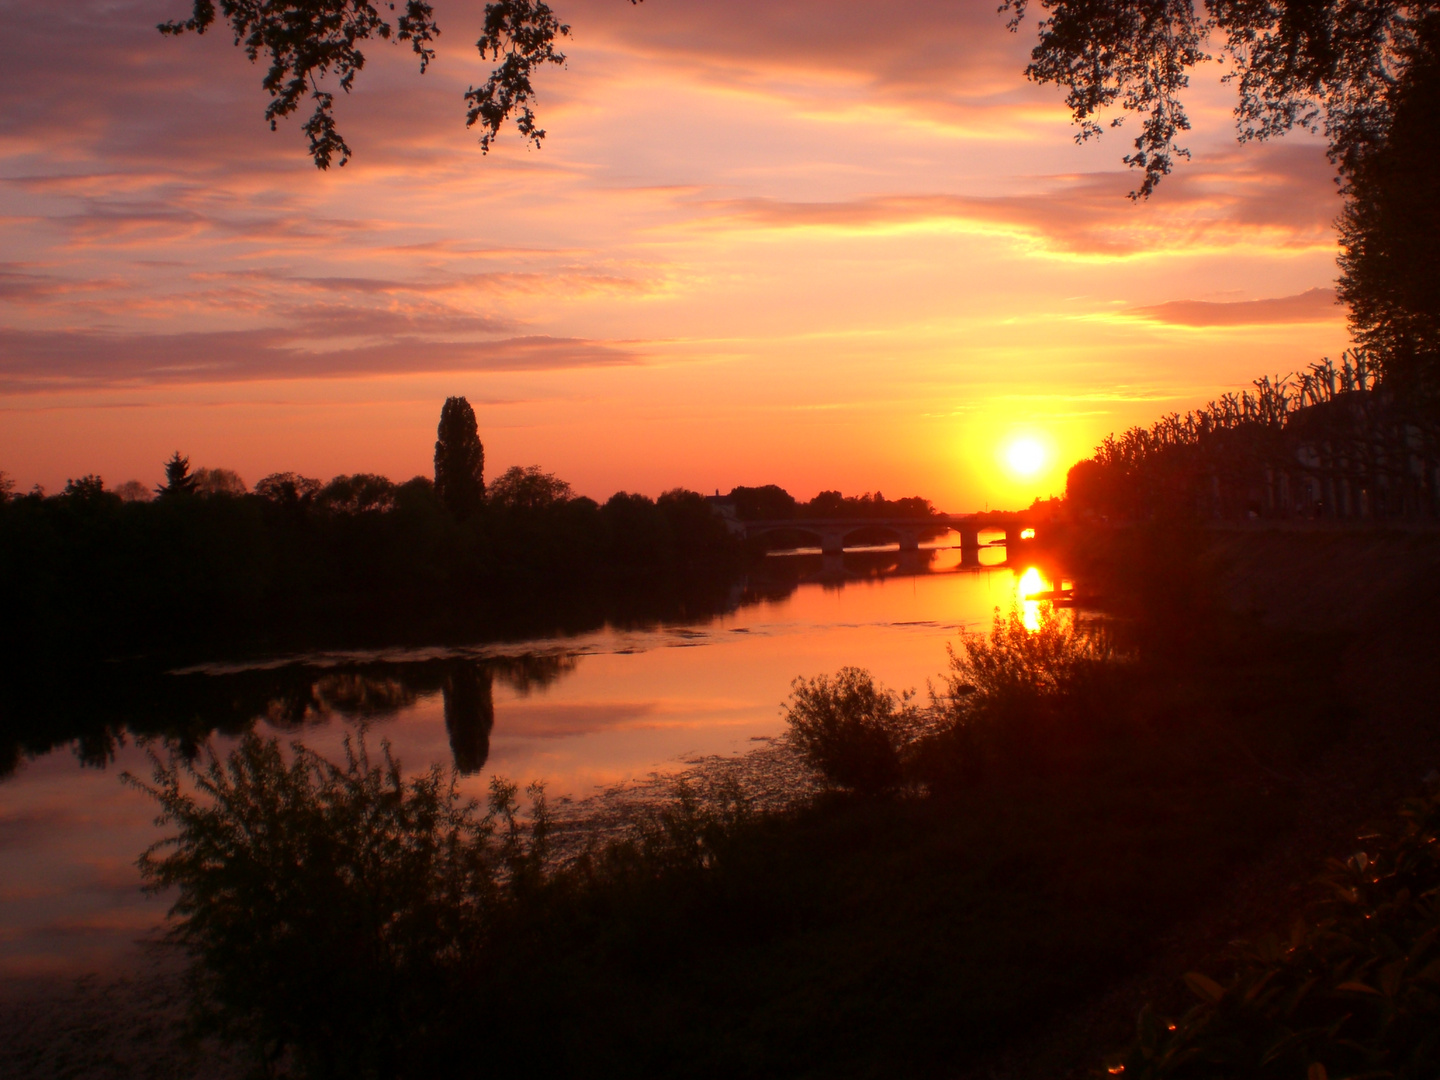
(207, 563)
(773, 503)
(1332, 442)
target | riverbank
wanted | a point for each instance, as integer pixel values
(919, 936)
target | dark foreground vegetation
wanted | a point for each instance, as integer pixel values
(983, 861)
(1353, 990)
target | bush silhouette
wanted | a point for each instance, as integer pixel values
(855, 732)
(1019, 695)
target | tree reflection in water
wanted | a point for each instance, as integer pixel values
(97, 712)
(469, 715)
(335, 913)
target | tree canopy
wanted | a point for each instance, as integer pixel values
(1339, 67)
(1365, 73)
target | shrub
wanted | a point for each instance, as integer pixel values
(1019, 692)
(858, 734)
(1354, 992)
(333, 913)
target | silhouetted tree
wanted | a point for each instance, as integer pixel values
(1390, 235)
(1336, 65)
(759, 503)
(134, 491)
(1362, 71)
(87, 489)
(178, 480)
(219, 482)
(469, 715)
(287, 488)
(528, 488)
(459, 459)
(357, 494)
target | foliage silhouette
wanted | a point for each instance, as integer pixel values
(1363, 71)
(219, 482)
(358, 560)
(1334, 65)
(1388, 234)
(850, 937)
(134, 491)
(1019, 700)
(1354, 991)
(178, 480)
(357, 494)
(527, 488)
(287, 488)
(1331, 442)
(1023, 695)
(88, 489)
(459, 460)
(856, 733)
(306, 41)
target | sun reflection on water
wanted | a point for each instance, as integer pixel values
(1027, 585)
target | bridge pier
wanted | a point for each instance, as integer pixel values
(913, 561)
(832, 542)
(909, 540)
(969, 545)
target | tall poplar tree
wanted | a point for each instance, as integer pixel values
(459, 459)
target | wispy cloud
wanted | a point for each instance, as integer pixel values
(1272, 198)
(50, 360)
(1313, 305)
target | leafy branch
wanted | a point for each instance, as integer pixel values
(306, 42)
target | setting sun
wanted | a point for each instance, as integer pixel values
(1025, 456)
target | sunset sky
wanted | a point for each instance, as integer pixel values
(819, 243)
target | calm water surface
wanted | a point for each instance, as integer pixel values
(583, 713)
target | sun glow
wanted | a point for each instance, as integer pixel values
(1025, 456)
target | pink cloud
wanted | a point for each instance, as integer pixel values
(935, 49)
(1313, 305)
(46, 360)
(1222, 200)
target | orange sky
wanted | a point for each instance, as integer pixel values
(764, 242)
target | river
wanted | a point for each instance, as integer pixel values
(583, 713)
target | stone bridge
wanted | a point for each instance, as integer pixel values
(833, 533)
